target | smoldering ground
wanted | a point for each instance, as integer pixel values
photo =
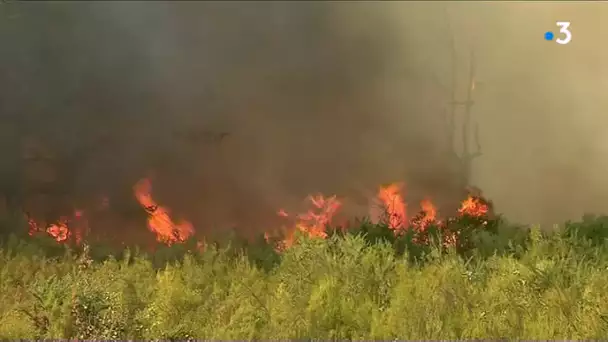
(315, 97)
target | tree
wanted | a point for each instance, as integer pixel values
(469, 129)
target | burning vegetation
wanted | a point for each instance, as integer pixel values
(159, 219)
(388, 207)
(69, 221)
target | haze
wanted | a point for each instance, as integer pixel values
(336, 98)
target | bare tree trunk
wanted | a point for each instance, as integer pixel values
(464, 160)
(468, 156)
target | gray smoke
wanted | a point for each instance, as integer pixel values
(336, 98)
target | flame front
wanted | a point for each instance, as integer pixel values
(394, 214)
(159, 219)
(395, 209)
(473, 206)
(312, 223)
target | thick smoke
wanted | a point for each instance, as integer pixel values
(336, 98)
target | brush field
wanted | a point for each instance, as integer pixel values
(499, 281)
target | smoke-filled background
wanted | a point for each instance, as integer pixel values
(336, 98)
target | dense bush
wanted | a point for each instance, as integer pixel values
(499, 281)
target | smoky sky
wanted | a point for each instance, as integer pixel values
(335, 98)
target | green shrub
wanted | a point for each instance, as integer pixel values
(499, 281)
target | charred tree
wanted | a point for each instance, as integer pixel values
(461, 127)
(469, 130)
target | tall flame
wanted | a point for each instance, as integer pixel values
(395, 209)
(159, 219)
(426, 217)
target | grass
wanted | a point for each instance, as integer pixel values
(505, 282)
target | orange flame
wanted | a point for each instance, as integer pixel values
(313, 223)
(61, 231)
(394, 206)
(159, 219)
(426, 217)
(429, 210)
(473, 206)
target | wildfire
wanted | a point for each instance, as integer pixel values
(395, 209)
(473, 206)
(64, 229)
(426, 216)
(59, 230)
(312, 223)
(395, 213)
(74, 227)
(159, 219)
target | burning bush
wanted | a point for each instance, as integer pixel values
(388, 209)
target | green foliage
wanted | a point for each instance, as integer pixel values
(499, 281)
